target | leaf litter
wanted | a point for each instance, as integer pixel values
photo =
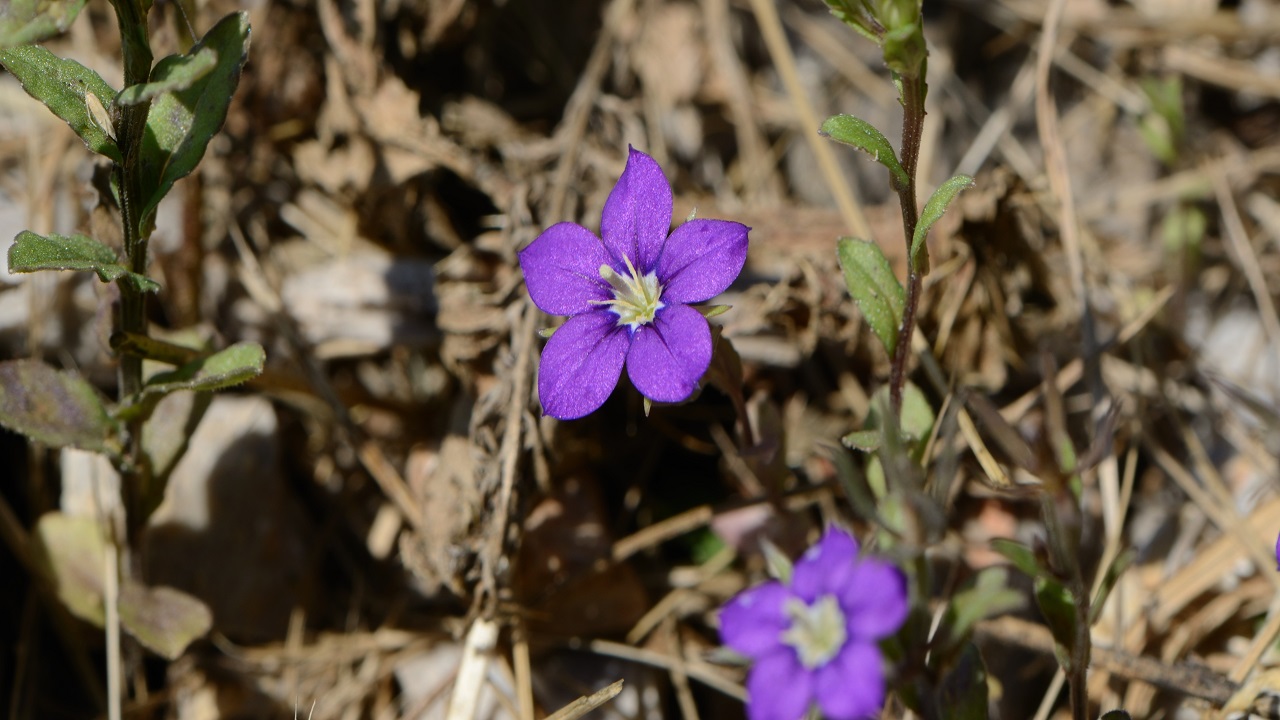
(360, 217)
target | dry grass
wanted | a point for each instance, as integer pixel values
(422, 543)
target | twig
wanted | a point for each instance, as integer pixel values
(587, 703)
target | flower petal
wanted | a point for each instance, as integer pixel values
(669, 356)
(825, 568)
(581, 364)
(637, 215)
(874, 599)
(851, 686)
(562, 269)
(778, 687)
(700, 259)
(752, 623)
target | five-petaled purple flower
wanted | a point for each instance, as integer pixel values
(814, 640)
(628, 292)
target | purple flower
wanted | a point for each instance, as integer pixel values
(813, 640)
(628, 293)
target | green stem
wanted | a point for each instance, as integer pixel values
(913, 93)
(136, 51)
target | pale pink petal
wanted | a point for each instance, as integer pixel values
(581, 363)
(562, 270)
(669, 355)
(637, 214)
(700, 259)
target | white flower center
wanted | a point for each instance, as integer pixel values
(817, 631)
(635, 297)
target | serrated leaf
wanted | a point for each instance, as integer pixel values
(862, 135)
(874, 288)
(23, 22)
(172, 74)
(864, 440)
(164, 619)
(31, 252)
(61, 85)
(934, 208)
(181, 123)
(57, 408)
(72, 552)
(1020, 555)
(223, 369)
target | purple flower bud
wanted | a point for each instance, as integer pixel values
(628, 294)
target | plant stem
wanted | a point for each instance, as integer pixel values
(913, 93)
(130, 129)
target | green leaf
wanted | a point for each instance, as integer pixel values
(917, 417)
(57, 408)
(172, 74)
(905, 51)
(934, 209)
(72, 551)
(1121, 563)
(162, 618)
(62, 85)
(181, 123)
(863, 135)
(31, 252)
(1021, 556)
(864, 440)
(1058, 607)
(852, 14)
(874, 288)
(990, 596)
(23, 22)
(223, 369)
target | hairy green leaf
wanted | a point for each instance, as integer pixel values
(162, 618)
(31, 252)
(863, 135)
(874, 288)
(23, 22)
(934, 209)
(172, 74)
(62, 85)
(864, 440)
(57, 408)
(223, 369)
(180, 123)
